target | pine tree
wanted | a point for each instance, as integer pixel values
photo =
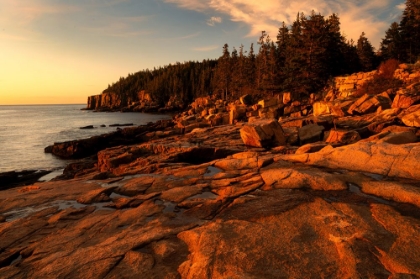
(366, 53)
(262, 61)
(351, 58)
(283, 38)
(234, 61)
(335, 47)
(391, 44)
(294, 58)
(250, 68)
(410, 31)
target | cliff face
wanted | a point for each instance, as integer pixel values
(110, 101)
(104, 101)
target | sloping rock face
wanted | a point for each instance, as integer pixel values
(154, 210)
(192, 200)
(381, 158)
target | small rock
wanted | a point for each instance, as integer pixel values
(87, 127)
(121, 125)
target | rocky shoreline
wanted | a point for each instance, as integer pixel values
(282, 188)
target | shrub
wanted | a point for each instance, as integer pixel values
(387, 68)
(382, 80)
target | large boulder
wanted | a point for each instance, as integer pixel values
(405, 100)
(268, 103)
(237, 113)
(412, 119)
(263, 133)
(310, 133)
(367, 104)
(321, 108)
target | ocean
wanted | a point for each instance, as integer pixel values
(26, 130)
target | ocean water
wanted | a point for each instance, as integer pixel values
(26, 130)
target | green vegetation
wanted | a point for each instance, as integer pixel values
(302, 60)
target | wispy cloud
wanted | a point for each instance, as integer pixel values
(196, 34)
(355, 16)
(206, 48)
(24, 12)
(213, 20)
(401, 6)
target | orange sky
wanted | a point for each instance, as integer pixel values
(55, 51)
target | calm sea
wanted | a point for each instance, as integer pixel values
(26, 130)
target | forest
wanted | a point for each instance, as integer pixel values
(302, 59)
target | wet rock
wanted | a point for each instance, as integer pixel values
(18, 178)
(99, 195)
(87, 127)
(394, 191)
(121, 125)
(263, 133)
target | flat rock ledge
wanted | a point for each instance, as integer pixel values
(199, 206)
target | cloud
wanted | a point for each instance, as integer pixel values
(187, 36)
(23, 12)
(401, 6)
(213, 20)
(355, 16)
(206, 48)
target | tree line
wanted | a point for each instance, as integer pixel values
(302, 59)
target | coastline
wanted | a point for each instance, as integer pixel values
(227, 190)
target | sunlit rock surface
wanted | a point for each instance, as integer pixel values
(200, 206)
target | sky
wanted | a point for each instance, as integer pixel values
(61, 52)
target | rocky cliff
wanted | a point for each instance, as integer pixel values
(279, 188)
(140, 102)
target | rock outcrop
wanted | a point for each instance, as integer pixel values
(282, 188)
(153, 210)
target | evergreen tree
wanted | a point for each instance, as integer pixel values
(294, 58)
(234, 88)
(250, 68)
(283, 38)
(391, 44)
(224, 73)
(335, 47)
(410, 31)
(366, 53)
(262, 61)
(351, 58)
